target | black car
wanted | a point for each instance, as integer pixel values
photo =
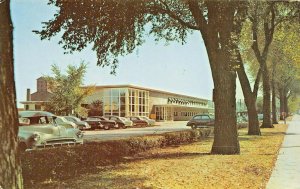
(82, 125)
(137, 121)
(105, 123)
(201, 120)
(121, 121)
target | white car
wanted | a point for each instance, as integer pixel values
(39, 129)
(150, 122)
(64, 122)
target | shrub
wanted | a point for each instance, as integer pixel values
(68, 162)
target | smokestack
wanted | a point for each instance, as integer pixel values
(28, 96)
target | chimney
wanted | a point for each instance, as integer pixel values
(28, 95)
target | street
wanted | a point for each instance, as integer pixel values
(161, 127)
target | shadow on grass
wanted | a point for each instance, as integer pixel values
(112, 176)
(166, 156)
(274, 133)
(105, 178)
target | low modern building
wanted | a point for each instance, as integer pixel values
(131, 100)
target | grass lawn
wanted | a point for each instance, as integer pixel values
(188, 167)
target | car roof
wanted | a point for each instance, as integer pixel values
(35, 114)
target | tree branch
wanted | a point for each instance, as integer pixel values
(269, 31)
(198, 15)
(169, 12)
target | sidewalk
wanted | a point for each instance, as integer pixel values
(286, 174)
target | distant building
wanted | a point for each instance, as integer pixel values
(36, 101)
(130, 100)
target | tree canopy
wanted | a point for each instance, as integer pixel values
(67, 93)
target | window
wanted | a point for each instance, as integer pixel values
(38, 107)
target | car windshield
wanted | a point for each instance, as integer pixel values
(123, 119)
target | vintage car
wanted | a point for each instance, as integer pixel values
(103, 122)
(38, 129)
(151, 122)
(60, 120)
(201, 120)
(121, 121)
(137, 121)
(82, 125)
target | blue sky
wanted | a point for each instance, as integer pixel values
(176, 68)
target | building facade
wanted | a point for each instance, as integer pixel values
(130, 100)
(36, 100)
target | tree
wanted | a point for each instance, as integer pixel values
(250, 95)
(116, 28)
(95, 108)
(10, 169)
(263, 17)
(285, 63)
(274, 13)
(67, 93)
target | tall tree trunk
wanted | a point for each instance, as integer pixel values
(286, 105)
(252, 116)
(282, 108)
(250, 97)
(274, 111)
(10, 169)
(220, 42)
(266, 98)
(217, 33)
(226, 137)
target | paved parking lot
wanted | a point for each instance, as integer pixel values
(161, 127)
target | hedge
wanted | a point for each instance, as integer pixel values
(69, 162)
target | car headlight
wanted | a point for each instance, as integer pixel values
(36, 137)
(79, 134)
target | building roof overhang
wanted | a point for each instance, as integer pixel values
(144, 88)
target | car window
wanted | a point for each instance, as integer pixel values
(42, 120)
(134, 118)
(69, 119)
(205, 118)
(113, 118)
(197, 117)
(92, 119)
(59, 120)
(75, 119)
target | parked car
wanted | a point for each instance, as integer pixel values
(82, 125)
(201, 120)
(64, 122)
(151, 122)
(138, 121)
(95, 123)
(121, 121)
(105, 123)
(242, 122)
(260, 117)
(38, 129)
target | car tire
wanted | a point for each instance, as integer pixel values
(123, 126)
(193, 127)
(106, 127)
(80, 127)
